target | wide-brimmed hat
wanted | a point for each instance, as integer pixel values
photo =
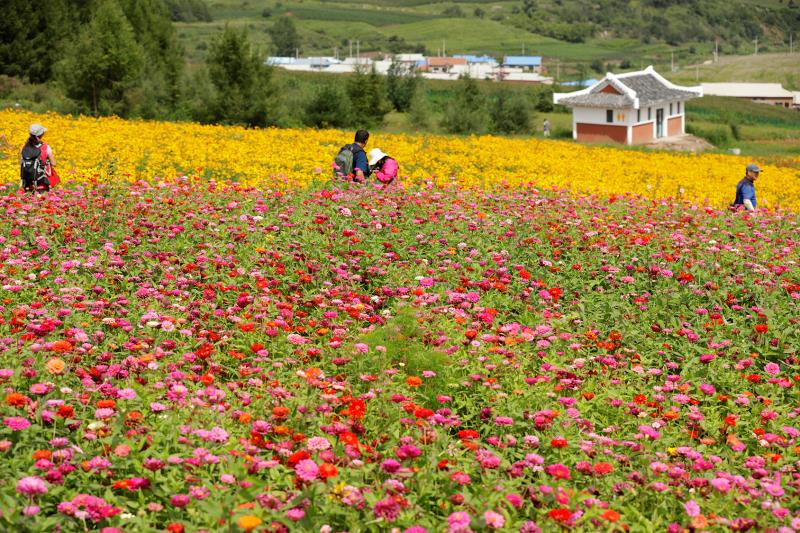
(375, 155)
(37, 130)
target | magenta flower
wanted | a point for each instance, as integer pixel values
(307, 470)
(772, 369)
(31, 485)
(17, 423)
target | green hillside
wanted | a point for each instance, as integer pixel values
(579, 30)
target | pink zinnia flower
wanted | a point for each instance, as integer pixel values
(17, 423)
(294, 338)
(307, 470)
(458, 522)
(692, 509)
(494, 520)
(103, 413)
(31, 485)
(318, 444)
(772, 369)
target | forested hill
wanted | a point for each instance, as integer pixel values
(733, 22)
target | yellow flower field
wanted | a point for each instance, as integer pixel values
(114, 149)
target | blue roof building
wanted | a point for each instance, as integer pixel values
(473, 59)
(523, 61)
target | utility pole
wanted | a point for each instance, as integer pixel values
(350, 55)
(444, 48)
(358, 52)
(558, 69)
(791, 44)
(716, 50)
(756, 53)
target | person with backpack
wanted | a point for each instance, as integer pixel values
(351, 161)
(37, 162)
(383, 167)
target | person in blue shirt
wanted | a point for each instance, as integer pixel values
(746, 190)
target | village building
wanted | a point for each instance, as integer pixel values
(766, 93)
(632, 108)
(523, 64)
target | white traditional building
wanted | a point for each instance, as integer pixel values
(633, 108)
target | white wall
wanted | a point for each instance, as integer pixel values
(622, 117)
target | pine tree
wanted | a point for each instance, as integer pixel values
(466, 112)
(401, 84)
(163, 69)
(31, 34)
(285, 38)
(103, 63)
(368, 103)
(241, 80)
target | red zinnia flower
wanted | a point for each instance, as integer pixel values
(561, 514)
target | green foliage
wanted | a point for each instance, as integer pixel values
(419, 112)
(241, 81)
(328, 108)
(163, 67)
(285, 38)
(189, 10)
(368, 101)
(467, 111)
(510, 112)
(103, 62)
(716, 135)
(401, 85)
(30, 37)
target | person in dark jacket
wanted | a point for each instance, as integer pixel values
(746, 190)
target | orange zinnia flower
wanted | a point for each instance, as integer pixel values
(55, 365)
(16, 399)
(249, 522)
(413, 381)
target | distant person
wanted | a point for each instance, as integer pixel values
(351, 161)
(383, 167)
(37, 162)
(746, 190)
(546, 128)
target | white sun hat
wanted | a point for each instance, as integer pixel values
(375, 155)
(37, 130)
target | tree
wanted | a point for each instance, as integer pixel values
(284, 36)
(401, 84)
(367, 93)
(163, 68)
(103, 63)
(30, 37)
(419, 111)
(328, 108)
(466, 112)
(241, 81)
(510, 112)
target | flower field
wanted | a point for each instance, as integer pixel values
(109, 149)
(191, 354)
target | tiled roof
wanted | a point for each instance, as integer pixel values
(650, 90)
(644, 86)
(614, 101)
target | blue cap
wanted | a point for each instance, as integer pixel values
(752, 167)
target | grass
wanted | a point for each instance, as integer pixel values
(768, 68)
